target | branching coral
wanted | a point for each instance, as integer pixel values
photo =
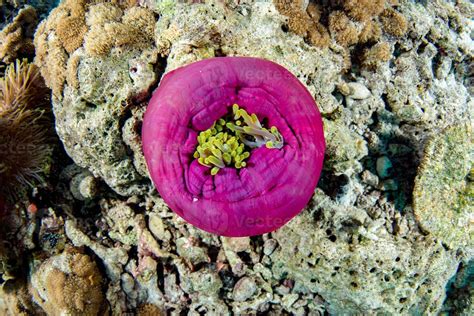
(25, 128)
(234, 197)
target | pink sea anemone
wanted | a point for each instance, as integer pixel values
(254, 183)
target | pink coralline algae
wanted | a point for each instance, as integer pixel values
(234, 145)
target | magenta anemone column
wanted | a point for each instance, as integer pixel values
(276, 183)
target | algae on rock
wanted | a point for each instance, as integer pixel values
(444, 188)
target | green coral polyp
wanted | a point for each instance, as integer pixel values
(228, 141)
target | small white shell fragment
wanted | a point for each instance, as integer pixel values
(354, 90)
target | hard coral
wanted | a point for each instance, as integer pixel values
(25, 128)
(69, 284)
(260, 196)
(134, 30)
(349, 22)
(342, 28)
(16, 39)
(363, 10)
(99, 26)
(444, 187)
(379, 53)
(394, 23)
(304, 23)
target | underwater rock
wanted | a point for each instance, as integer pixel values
(329, 251)
(344, 148)
(69, 283)
(99, 60)
(244, 289)
(443, 197)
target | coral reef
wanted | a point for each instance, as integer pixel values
(377, 236)
(68, 284)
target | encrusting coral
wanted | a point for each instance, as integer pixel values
(444, 187)
(116, 49)
(25, 129)
(98, 25)
(349, 22)
(69, 284)
(16, 39)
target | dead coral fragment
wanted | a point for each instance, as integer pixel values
(16, 39)
(25, 129)
(69, 284)
(394, 23)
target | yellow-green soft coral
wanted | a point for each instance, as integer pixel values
(228, 141)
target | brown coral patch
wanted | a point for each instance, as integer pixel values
(394, 23)
(149, 310)
(78, 292)
(342, 29)
(71, 32)
(319, 36)
(379, 53)
(370, 33)
(16, 39)
(363, 10)
(304, 23)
